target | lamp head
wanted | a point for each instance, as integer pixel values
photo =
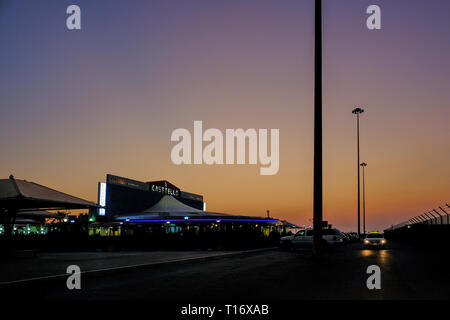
(363, 164)
(358, 111)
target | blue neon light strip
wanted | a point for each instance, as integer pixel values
(216, 220)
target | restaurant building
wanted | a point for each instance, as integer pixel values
(131, 207)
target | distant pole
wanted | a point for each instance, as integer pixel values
(358, 111)
(363, 165)
(318, 196)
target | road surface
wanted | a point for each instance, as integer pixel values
(274, 275)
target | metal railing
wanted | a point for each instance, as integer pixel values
(436, 216)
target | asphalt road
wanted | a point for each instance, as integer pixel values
(406, 273)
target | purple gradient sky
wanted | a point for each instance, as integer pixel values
(79, 104)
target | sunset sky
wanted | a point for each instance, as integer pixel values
(76, 105)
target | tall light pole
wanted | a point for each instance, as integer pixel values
(358, 111)
(363, 165)
(318, 196)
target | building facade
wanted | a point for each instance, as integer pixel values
(119, 195)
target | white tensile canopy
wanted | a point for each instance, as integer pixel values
(169, 207)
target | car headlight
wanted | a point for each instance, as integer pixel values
(383, 241)
(366, 241)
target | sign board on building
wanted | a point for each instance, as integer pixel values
(126, 182)
(164, 187)
(192, 196)
(101, 198)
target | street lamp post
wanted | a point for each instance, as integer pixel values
(358, 111)
(363, 165)
(318, 195)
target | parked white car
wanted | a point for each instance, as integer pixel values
(304, 238)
